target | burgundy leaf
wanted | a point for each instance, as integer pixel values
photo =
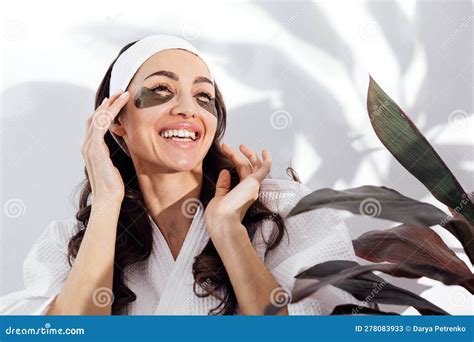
(411, 246)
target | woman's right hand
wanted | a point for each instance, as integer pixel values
(105, 179)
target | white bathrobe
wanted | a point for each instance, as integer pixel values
(165, 287)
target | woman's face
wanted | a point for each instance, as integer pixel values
(170, 119)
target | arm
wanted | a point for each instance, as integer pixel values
(252, 282)
(93, 266)
(91, 277)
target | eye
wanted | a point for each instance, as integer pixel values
(208, 97)
(161, 89)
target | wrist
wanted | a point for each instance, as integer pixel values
(106, 204)
(104, 215)
(109, 199)
(226, 232)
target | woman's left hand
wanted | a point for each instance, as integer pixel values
(228, 208)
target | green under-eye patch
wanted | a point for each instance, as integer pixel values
(209, 105)
(146, 97)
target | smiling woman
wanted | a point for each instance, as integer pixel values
(172, 221)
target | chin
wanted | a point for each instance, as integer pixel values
(183, 165)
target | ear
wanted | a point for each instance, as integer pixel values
(117, 127)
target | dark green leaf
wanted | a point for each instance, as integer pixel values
(352, 309)
(463, 231)
(362, 284)
(386, 203)
(373, 201)
(406, 143)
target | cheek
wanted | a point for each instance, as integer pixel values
(211, 127)
(144, 118)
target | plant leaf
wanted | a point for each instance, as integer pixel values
(463, 231)
(386, 203)
(406, 143)
(413, 246)
(349, 309)
(373, 201)
(361, 283)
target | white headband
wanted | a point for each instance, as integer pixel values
(131, 59)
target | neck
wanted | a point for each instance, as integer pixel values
(164, 195)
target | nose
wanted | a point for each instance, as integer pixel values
(185, 107)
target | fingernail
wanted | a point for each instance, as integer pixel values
(124, 95)
(105, 99)
(118, 92)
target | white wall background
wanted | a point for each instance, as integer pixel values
(300, 66)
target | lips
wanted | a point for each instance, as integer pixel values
(183, 125)
(181, 143)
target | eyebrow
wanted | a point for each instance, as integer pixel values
(173, 76)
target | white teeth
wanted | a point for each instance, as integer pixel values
(178, 133)
(181, 139)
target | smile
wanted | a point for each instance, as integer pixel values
(180, 135)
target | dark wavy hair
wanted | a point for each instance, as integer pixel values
(134, 230)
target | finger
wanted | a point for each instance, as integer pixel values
(117, 103)
(223, 183)
(114, 98)
(243, 195)
(106, 102)
(264, 170)
(252, 156)
(100, 117)
(89, 127)
(104, 118)
(101, 106)
(243, 166)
